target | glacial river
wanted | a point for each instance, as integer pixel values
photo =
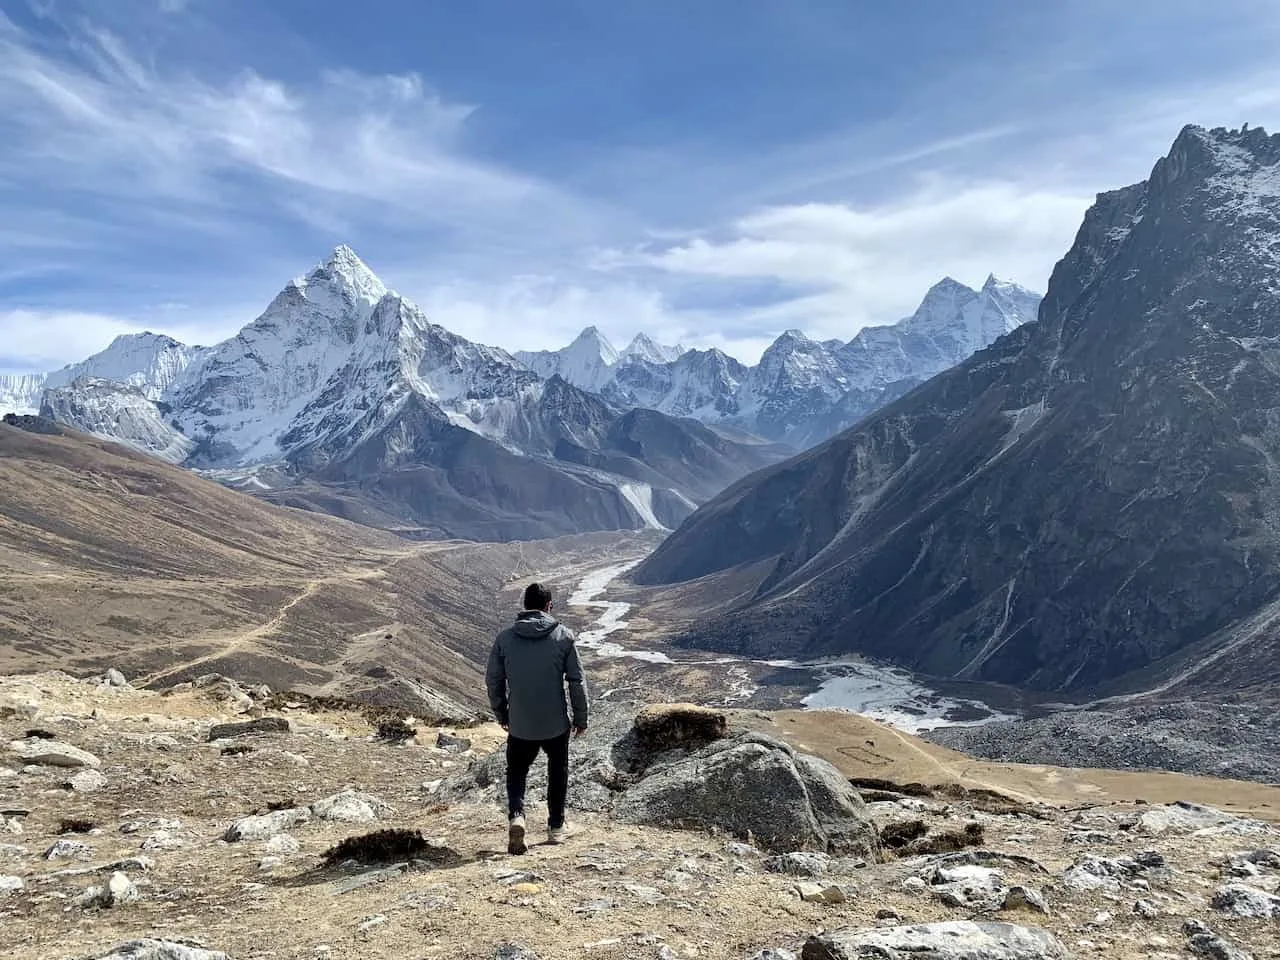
(884, 693)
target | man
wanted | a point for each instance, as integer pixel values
(528, 667)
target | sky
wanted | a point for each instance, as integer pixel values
(710, 173)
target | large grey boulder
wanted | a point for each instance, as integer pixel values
(662, 771)
(754, 785)
(954, 940)
(266, 825)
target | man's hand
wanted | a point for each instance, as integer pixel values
(578, 731)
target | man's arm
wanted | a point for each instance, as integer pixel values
(495, 679)
(577, 688)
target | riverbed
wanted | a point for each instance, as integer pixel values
(885, 693)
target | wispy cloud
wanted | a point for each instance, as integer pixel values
(36, 340)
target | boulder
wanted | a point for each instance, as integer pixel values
(161, 950)
(1242, 900)
(52, 753)
(350, 807)
(10, 885)
(120, 890)
(954, 940)
(116, 679)
(244, 728)
(757, 786)
(799, 864)
(267, 825)
(1193, 818)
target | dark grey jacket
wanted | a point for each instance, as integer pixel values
(530, 662)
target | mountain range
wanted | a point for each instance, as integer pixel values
(802, 391)
(1089, 505)
(344, 397)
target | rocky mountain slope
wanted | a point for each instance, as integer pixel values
(1089, 505)
(344, 397)
(110, 557)
(802, 391)
(144, 825)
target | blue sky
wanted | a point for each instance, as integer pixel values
(710, 172)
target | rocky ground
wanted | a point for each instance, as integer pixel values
(131, 815)
(1241, 741)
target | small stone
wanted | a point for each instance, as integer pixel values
(87, 781)
(267, 864)
(596, 906)
(350, 807)
(282, 844)
(121, 889)
(526, 889)
(741, 850)
(914, 885)
(162, 840)
(116, 679)
(432, 787)
(1146, 909)
(1025, 898)
(824, 893)
(52, 753)
(799, 864)
(371, 923)
(885, 914)
(10, 885)
(69, 850)
(267, 825)
(1101, 918)
(451, 743)
(224, 731)
(514, 951)
(774, 953)
(1242, 900)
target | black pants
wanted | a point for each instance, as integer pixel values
(520, 757)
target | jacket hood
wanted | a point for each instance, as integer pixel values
(535, 624)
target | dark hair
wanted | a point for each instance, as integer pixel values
(537, 597)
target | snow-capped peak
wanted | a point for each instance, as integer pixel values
(643, 347)
(346, 276)
(592, 344)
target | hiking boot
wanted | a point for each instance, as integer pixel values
(515, 835)
(561, 834)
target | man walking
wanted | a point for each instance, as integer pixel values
(528, 667)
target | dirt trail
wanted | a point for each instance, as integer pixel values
(241, 641)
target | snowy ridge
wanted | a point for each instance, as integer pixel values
(21, 393)
(118, 411)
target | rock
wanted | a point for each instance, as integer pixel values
(267, 825)
(743, 851)
(282, 844)
(799, 864)
(1098, 873)
(953, 940)
(514, 951)
(824, 893)
(161, 950)
(162, 840)
(1206, 943)
(244, 728)
(116, 679)
(151, 823)
(372, 923)
(773, 953)
(1193, 818)
(755, 785)
(87, 781)
(267, 864)
(350, 807)
(915, 885)
(10, 885)
(1246, 901)
(1025, 898)
(69, 850)
(120, 890)
(52, 753)
(968, 885)
(1146, 909)
(451, 743)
